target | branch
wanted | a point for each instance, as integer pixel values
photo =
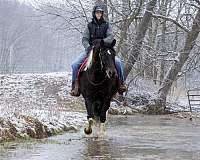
(197, 1)
(62, 17)
(172, 20)
(194, 5)
(83, 10)
(112, 6)
(162, 17)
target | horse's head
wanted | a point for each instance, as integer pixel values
(104, 54)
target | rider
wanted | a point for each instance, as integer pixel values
(99, 29)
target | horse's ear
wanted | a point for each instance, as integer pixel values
(102, 43)
(113, 43)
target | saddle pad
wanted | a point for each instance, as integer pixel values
(82, 67)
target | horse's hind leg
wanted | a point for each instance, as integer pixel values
(104, 110)
(102, 129)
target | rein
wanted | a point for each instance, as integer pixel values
(97, 84)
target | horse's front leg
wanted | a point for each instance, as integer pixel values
(90, 108)
(90, 116)
(88, 128)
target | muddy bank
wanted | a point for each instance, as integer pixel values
(26, 127)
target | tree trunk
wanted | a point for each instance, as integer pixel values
(155, 69)
(141, 31)
(128, 18)
(151, 70)
(164, 4)
(106, 9)
(122, 47)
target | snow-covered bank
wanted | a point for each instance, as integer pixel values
(23, 126)
(37, 106)
(143, 91)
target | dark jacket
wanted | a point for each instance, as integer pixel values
(97, 30)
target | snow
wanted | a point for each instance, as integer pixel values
(44, 97)
(24, 93)
(142, 91)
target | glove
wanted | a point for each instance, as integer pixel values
(89, 49)
(97, 41)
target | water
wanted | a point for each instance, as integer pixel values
(134, 137)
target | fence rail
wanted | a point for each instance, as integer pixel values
(194, 98)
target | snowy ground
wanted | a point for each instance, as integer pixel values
(142, 90)
(39, 105)
(29, 92)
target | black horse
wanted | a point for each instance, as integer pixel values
(99, 82)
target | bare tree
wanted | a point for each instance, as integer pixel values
(159, 104)
(141, 32)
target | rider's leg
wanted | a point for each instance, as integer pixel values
(120, 71)
(75, 67)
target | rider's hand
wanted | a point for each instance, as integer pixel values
(88, 49)
(97, 41)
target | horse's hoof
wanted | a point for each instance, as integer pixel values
(88, 131)
(102, 130)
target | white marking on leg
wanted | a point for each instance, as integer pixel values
(102, 130)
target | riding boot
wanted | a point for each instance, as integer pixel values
(75, 89)
(122, 88)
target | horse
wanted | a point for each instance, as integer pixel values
(98, 83)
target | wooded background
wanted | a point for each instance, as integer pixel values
(156, 39)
